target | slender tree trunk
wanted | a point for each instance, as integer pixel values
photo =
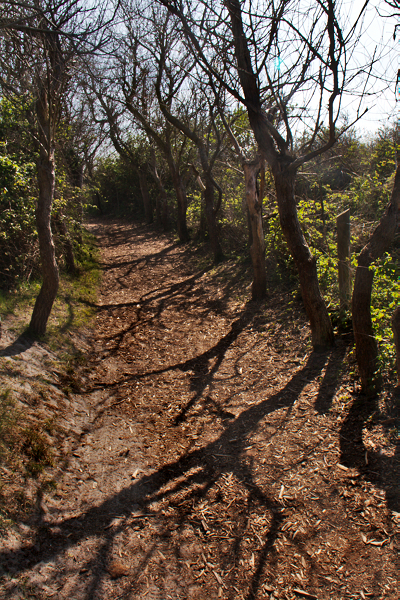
(180, 191)
(212, 222)
(321, 327)
(162, 207)
(79, 204)
(46, 183)
(68, 247)
(382, 237)
(202, 231)
(257, 248)
(183, 232)
(343, 251)
(208, 189)
(44, 301)
(162, 198)
(148, 209)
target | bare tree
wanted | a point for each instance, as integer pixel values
(131, 77)
(41, 40)
(254, 204)
(185, 105)
(290, 65)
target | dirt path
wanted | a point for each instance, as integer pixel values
(215, 456)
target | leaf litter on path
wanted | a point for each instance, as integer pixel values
(229, 459)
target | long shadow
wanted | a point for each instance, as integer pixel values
(374, 466)
(148, 259)
(198, 364)
(71, 315)
(163, 295)
(224, 455)
(328, 385)
(20, 345)
(202, 376)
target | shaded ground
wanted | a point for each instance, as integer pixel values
(213, 454)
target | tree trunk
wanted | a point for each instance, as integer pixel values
(162, 198)
(366, 345)
(79, 203)
(321, 327)
(180, 191)
(44, 301)
(275, 150)
(343, 251)
(257, 248)
(396, 335)
(148, 209)
(212, 222)
(162, 207)
(68, 248)
(183, 232)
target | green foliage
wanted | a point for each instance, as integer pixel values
(366, 195)
(116, 189)
(195, 209)
(16, 117)
(18, 248)
(385, 298)
(19, 252)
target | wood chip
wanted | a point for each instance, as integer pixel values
(300, 592)
(218, 578)
(373, 542)
(117, 569)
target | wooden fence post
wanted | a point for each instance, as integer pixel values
(396, 334)
(343, 251)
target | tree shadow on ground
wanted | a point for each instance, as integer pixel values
(375, 467)
(203, 466)
(327, 388)
(20, 345)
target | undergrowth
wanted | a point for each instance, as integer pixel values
(75, 302)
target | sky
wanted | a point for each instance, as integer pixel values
(383, 110)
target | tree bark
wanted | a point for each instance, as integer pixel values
(343, 251)
(382, 237)
(79, 203)
(44, 301)
(321, 327)
(257, 248)
(148, 209)
(181, 198)
(275, 150)
(212, 222)
(162, 199)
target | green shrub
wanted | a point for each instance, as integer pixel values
(18, 238)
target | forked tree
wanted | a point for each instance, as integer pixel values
(289, 64)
